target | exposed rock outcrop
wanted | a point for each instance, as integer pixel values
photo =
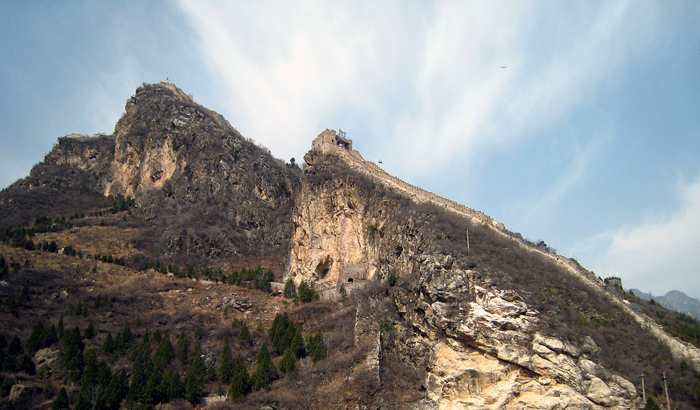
(487, 347)
(206, 190)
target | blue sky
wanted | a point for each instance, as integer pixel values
(589, 139)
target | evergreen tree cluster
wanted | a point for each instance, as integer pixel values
(266, 371)
(21, 236)
(118, 345)
(110, 259)
(285, 334)
(99, 387)
(14, 357)
(316, 347)
(77, 309)
(258, 278)
(121, 203)
(240, 379)
(73, 346)
(307, 293)
(42, 336)
(161, 369)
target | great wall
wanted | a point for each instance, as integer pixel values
(331, 142)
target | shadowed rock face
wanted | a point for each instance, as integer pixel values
(208, 192)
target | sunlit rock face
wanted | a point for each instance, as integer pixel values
(482, 344)
(489, 353)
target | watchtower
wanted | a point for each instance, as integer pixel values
(613, 284)
(613, 281)
(330, 139)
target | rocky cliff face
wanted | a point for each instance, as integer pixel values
(339, 224)
(502, 326)
(206, 190)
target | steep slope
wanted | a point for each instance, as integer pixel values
(206, 191)
(547, 325)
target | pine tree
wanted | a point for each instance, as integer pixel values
(226, 365)
(171, 387)
(142, 353)
(164, 353)
(194, 380)
(240, 381)
(290, 290)
(35, 341)
(288, 362)
(152, 393)
(3, 345)
(90, 331)
(73, 352)
(183, 347)
(26, 364)
(244, 335)
(139, 378)
(157, 336)
(127, 338)
(15, 347)
(306, 292)
(108, 344)
(83, 402)
(116, 390)
(60, 327)
(266, 371)
(199, 332)
(41, 337)
(277, 332)
(316, 347)
(298, 347)
(141, 370)
(61, 401)
(651, 405)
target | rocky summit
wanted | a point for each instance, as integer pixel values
(176, 264)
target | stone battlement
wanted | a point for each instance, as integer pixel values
(330, 139)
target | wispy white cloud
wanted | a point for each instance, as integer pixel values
(292, 66)
(552, 70)
(427, 77)
(659, 254)
(537, 211)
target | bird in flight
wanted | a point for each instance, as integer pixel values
(503, 66)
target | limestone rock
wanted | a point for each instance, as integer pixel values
(20, 391)
(49, 357)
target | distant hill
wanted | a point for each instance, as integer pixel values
(674, 300)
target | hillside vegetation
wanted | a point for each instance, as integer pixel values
(174, 264)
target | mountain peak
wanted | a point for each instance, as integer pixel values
(160, 90)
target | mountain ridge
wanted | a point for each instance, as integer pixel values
(426, 303)
(674, 300)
